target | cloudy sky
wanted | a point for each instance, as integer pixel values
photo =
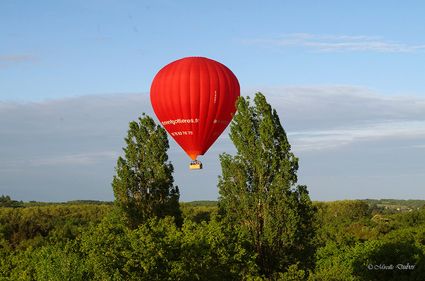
(346, 79)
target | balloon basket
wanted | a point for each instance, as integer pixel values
(195, 165)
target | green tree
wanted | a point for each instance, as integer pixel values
(257, 193)
(143, 184)
(388, 259)
(159, 250)
(6, 201)
(344, 222)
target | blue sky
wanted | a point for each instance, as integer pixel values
(52, 49)
(345, 76)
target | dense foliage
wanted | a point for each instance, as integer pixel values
(90, 242)
(257, 190)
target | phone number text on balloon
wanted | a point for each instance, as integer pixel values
(182, 133)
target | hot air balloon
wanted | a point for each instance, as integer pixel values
(194, 98)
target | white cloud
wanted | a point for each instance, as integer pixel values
(418, 146)
(338, 43)
(327, 117)
(71, 145)
(331, 139)
(75, 159)
(60, 159)
(15, 58)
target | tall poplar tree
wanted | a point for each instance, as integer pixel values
(257, 192)
(144, 184)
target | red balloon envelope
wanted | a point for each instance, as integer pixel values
(194, 98)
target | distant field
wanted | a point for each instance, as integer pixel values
(396, 205)
(385, 204)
